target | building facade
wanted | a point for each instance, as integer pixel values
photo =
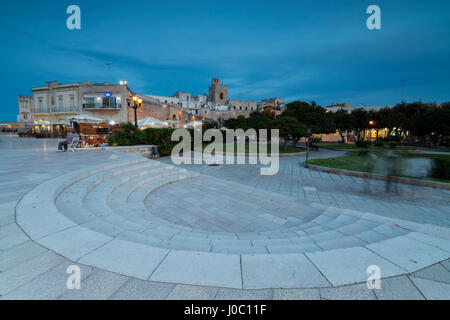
(56, 102)
(275, 103)
(218, 93)
(25, 109)
(242, 105)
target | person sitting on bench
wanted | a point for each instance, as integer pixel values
(68, 140)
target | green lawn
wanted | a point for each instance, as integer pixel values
(356, 161)
(443, 149)
(290, 148)
(354, 147)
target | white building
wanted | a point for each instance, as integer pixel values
(184, 99)
(25, 109)
(349, 108)
(242, 105)
(55, 101)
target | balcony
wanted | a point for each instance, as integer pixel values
(101, 106)
(56, 109)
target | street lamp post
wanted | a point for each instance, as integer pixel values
(307, 147)
(372, 123)
(135, 103)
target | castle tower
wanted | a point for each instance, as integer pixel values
(218, 93)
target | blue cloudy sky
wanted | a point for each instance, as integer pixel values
(309, 50)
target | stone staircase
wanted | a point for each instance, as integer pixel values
(99, 217)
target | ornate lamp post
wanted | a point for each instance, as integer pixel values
(371, 124)
(135, 103)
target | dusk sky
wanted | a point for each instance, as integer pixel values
(297, 50)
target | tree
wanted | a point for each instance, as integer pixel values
(236, 123)
(289, 127)
(315, 117)
(258, 122)
(344, 122)
(361, 118)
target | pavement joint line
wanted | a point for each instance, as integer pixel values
(101, 246)
(111, 297)
(415, 286)
(156, 268)
(320, 271)
(384, 258)
(436, 236)
(242, 273)
(56, 232)
(421, 277)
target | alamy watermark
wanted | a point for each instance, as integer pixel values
(73, 22)
(73, 281)
(214, 153)
(374, 279)
(374, 20)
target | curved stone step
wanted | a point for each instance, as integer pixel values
(122, 216)
(71, 199)
(159, 257)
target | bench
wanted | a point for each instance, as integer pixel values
(73, 146)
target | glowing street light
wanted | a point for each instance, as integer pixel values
(135, 103)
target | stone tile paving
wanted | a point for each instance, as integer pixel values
(30, 271)
(414, 203)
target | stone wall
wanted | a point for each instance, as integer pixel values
(218, 93)
(245, 105)
(144, 151)
(160, 112)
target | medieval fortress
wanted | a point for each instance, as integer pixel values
(57, 102)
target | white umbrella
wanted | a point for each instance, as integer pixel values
(85, 117)
(41, 123)
(194, 124)
(61, 123)
(150, 122)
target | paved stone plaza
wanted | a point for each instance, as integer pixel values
(143, 229)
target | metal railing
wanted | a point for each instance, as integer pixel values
(102, 106)
(55, 109)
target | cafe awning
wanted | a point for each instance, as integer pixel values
(85, 118)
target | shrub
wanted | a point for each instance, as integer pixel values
(441, 169)
(393, 144)
(378, 143)
(362, 143)
(364, 153)
(315, 139)
(161, 137)
(394, 138)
